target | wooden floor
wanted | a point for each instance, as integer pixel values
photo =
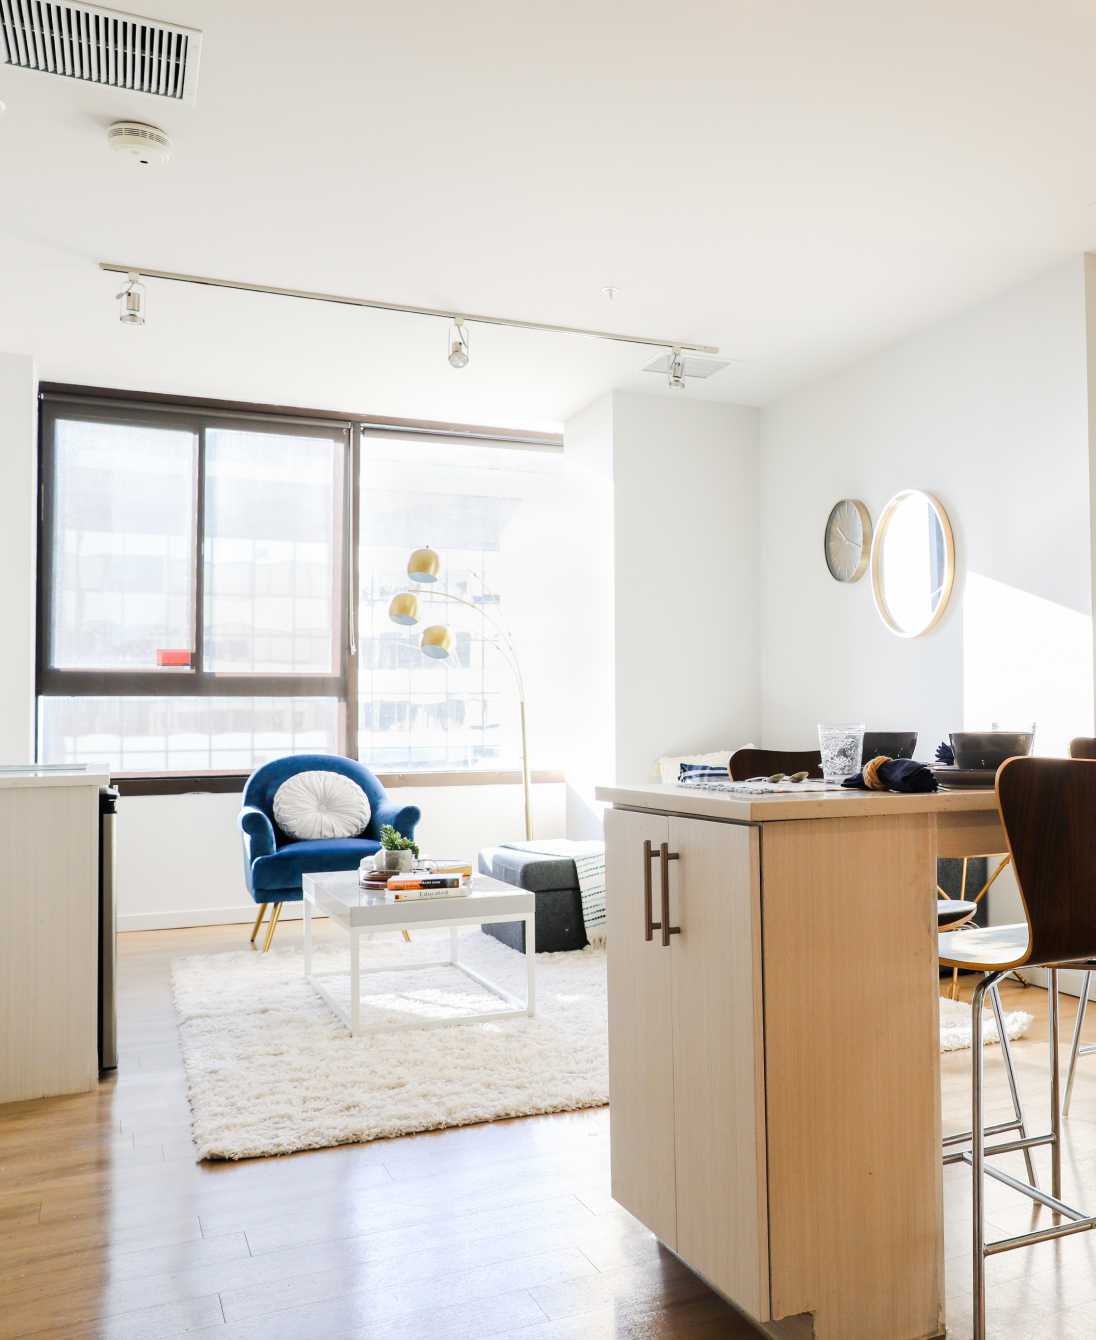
(108, 1227)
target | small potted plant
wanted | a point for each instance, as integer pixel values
(398, 854)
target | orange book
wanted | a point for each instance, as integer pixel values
(422, 883)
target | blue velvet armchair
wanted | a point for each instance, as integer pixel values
(274, 861)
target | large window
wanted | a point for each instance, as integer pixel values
(195, 590)
(473, 505)
(194, 584)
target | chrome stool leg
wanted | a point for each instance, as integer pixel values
(1006, 1053)
(978, 1152)
(1082, 1007)
(1055, 1080)
(1017, 1123)
(1077, 1220)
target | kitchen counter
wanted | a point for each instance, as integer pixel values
(810, 805)
(49, 933)
(774, 1044)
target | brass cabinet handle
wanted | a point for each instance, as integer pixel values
(649, 926)
(665, 856)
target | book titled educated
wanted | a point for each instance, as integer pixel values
(406, 887)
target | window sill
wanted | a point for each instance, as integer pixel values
(229, 783)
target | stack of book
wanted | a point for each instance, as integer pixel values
(436, 879)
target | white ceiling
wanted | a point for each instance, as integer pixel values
(797, 183)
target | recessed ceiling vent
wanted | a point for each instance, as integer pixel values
(101, 46)
(694, 366)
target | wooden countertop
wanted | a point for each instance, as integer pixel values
(668, 799)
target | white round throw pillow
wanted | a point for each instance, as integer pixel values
(321, 805)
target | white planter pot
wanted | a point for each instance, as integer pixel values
(394, 862)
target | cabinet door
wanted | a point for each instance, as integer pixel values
(641, 1063)
(722, 1228)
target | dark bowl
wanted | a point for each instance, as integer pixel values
(893, 743)
(989, 748)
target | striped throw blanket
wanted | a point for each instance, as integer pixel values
(690, 773)
(589, 859)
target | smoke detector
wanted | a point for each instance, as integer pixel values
(147, 144)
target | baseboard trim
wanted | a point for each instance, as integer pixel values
(200, 916)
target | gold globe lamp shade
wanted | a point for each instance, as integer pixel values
(404, 608)
(437, 642)
(423, 566)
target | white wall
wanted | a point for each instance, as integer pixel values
(686, 572)
(18, 493)
(585, 572)
(180, 861)
(988, 411)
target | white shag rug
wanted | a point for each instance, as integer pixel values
(955, 1025)
(271, 1070)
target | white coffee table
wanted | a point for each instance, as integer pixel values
(357, 910)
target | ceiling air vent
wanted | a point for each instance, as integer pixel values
(100, 46)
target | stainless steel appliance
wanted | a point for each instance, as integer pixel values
(108, 1024)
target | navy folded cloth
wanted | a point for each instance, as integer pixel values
(898, 774)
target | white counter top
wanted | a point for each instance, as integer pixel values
(21, 780)
(669, 799)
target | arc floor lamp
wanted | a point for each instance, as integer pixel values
(437, 643)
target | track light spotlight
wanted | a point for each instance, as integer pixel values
(458, 344)
(677, 370)
(132, 300)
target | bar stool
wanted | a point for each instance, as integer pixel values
(977, 898)
(951, 914)
(748, 763)
(1046, 807)
(1080, 748)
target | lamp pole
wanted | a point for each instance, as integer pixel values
(404, 610)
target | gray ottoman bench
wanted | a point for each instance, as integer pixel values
(559, 906)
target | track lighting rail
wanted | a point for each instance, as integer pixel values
(443, 313)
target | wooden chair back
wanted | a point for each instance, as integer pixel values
(1048, 808)
(1082, 747)
(747, 763)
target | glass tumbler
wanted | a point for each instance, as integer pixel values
(841, 743)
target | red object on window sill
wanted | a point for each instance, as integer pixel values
(173, 656)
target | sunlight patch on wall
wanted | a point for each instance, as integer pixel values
(1025, 659)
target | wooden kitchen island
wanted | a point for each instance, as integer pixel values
(774, 1054)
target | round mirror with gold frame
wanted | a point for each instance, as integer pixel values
(912, 563)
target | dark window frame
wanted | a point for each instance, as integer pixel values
(197, 681)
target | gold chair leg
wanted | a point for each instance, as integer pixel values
(407, 937)
(258, 921)
(1005, 860)
(273, 923)
(955, 983)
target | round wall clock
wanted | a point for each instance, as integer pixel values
(848, 540)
